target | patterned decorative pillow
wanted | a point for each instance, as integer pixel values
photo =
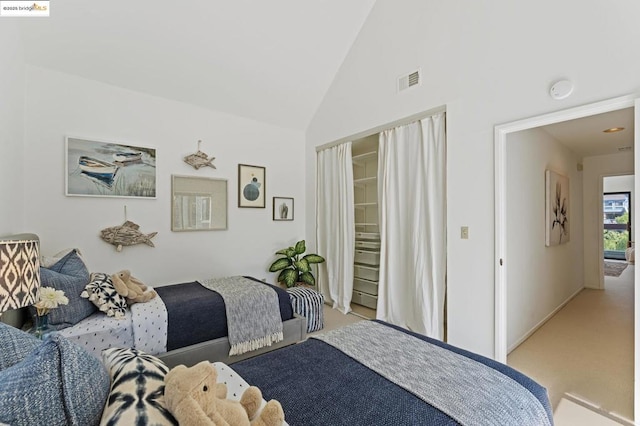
(103, 294)
(58, 383)
(16, 345)
(70, 275)
(137, 389)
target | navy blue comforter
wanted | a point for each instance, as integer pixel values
(197, 314)
(320, 385)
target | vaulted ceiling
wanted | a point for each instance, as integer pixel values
(271, 61)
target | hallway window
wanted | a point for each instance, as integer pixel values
(617, 224)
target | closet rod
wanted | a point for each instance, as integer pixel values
(378, 129)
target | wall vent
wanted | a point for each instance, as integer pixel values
(412, 79)
(625, 148)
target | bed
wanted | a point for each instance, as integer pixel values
(367, 373)
(185, 324)
(319, 384)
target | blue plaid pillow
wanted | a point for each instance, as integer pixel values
(15, 345)
(58, 383)
(70, 275)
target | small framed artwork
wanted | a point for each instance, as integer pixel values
(109, 169)
(282, 208)
(251, 186)
(557, 209)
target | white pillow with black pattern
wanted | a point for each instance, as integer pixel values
(137, 389)
(103, 294)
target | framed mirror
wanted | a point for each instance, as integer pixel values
(198, 203)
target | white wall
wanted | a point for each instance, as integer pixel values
(539, 278)
(489, 63)
(622, 183)
(59, 104)
(595, 169)
(11, 130)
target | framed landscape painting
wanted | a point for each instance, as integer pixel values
(251, 186)
(557, 209)
(109, 169)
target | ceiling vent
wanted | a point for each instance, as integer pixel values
(410, 80)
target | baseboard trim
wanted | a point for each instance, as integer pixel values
(543, 321)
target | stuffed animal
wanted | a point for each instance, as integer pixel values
(193, 396)
(131, 288)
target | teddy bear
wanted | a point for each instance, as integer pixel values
(194, 397)
(131, 288)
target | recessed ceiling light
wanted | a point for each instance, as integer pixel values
(613, 130)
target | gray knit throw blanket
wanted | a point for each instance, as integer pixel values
(253, 313)
(468, 391)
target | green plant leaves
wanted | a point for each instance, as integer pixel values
(308, 278)
(280, 264)
(289, 277)
(300, 247)
(313, 258)
(293, 269)
(302, 265)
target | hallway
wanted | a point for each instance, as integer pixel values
(586, 349)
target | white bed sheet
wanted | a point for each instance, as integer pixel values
(144, 327)
(98, 331)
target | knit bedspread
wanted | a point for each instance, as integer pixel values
(253, 313)
(422, 369)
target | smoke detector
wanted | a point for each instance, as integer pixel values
(561, 89)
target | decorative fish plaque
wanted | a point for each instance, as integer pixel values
(199, 159)
(127, 234)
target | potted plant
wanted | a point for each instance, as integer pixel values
(294, 267)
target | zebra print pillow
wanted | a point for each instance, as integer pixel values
(137, 389)
(103, 294)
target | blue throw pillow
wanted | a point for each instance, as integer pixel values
(58, 383)
(70, 275)
(15, 345)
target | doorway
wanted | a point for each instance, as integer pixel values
(616, 217)
(502, 262)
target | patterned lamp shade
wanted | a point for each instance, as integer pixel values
(19, 271)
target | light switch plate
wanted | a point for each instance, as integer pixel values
(464, 232)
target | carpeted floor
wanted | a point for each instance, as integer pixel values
(586, 349)
(614, 269)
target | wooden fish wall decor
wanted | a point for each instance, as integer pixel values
(127, 234)
(199, 159)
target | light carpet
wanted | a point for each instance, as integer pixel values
(586, 349)
(572, 412)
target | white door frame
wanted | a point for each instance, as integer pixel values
(501, 262)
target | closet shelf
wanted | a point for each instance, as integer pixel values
(366, 224)
(364, 181)
(359, 160)
(364, 205)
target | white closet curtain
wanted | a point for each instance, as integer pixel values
(336, 225)
(412, 214)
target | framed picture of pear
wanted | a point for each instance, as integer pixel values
(556, 209)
